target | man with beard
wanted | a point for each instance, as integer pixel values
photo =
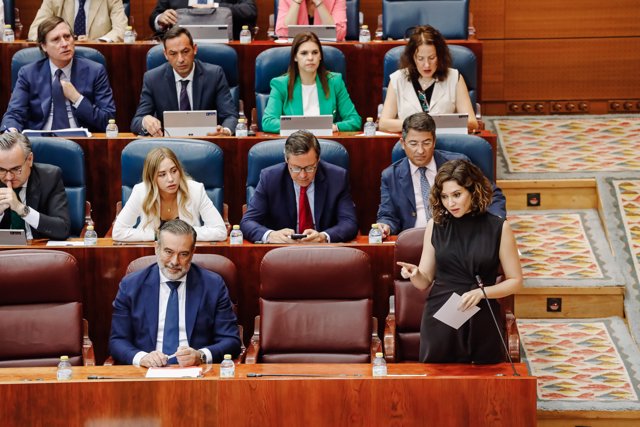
(173, 311)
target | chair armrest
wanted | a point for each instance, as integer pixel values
(390, 333)
(109, 361)
(87, 218)
(376, 345)
(225, 217)
(88, 356)
(253, 127)
(253, 351)
(512, 336)
(243, 348)
(109, 233)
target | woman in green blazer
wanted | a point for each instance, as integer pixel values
(309, 89)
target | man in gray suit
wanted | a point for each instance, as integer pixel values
(184, 83)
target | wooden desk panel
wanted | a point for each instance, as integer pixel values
(457, 395)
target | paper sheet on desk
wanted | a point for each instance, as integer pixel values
(380, 133)
(61, 133)
(65, 243)
(170, 372)
(450, 315)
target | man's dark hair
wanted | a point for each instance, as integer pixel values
(176, 31)
(179, 228)
(421, 122)
(301, 142)
(46, 27)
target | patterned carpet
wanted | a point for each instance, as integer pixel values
(586, 365)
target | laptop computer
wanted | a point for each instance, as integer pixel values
(209, 33)
(190, 123)
(326, 33)
(13, 238)
(451, 123)
(317, 125)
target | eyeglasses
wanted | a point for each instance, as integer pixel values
(307, 169)
(415, 144)
(17, 171)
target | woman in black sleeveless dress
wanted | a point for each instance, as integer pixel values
(461, 241)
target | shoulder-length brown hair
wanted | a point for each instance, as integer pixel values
(151, 202)
(466, 175)
(426, 34)
(293, 71)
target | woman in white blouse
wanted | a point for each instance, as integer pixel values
(165, 193)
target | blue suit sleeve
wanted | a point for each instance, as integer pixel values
(498, 204)
(227, 111)
(18, 108)
(226, 339)
(386, 210)
(96, 114)
(121, 339)
(146, 106)
(257, 211)
(347, 226)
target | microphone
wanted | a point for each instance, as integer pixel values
(495, 321)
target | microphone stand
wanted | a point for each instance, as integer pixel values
(495, 321)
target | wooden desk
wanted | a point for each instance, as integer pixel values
(450, 395)
(368, 157)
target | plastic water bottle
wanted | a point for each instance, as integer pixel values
(245, 35)
(375, 235)
(369, 127)
(227, 367)
(365, 35)
(7, 35)
(235, 238)
(379, 366)
(241, 128)
(64, 369)
(129, 35)
(90, 236)
(112, 129)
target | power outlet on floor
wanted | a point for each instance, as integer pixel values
(554, 305)
(533, 199)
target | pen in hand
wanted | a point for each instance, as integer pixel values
(172, 355)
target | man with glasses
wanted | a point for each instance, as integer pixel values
(59, 91)
(32, 196)
(302, 200)
(406, 184)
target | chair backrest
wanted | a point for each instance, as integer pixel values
(202, 160)
(127, 7)
(450, 17)
(69, 157)
(462, 59)
(315, 305)
(477, 149)
(31, 54)
(353, 18)
(9, 14)
(408, 300)
(269, 153)
(212, 262)
(218, 54)
(40, 309)
(274, 63)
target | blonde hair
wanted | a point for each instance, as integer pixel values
(151, 202)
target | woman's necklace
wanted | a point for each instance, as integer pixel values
(425, 83)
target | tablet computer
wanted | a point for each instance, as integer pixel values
(318, 125)
(208, 33)
(13, 238)
(190, 123)
(326, 33)
(451, 123)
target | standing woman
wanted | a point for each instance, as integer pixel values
(425, 82)
(309, 89)
(312, 12)
(167, 193)
(463, 240)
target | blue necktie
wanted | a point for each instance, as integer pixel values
(170, 339)
(202, 1)
(60, 117)
(425, 187)
(80, 24)
(185, 105)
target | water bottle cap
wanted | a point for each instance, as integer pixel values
(374, 225)
(112, 121)
(90, 227)
(227, 357)
(369, 119)
(236, 227)
(245, 27)
(64, 358)
(379, 354)
(365, 27)
(241, 120)
(129, 28)
(7, 26)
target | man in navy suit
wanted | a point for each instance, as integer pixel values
(60, 91)
(304, 195)
(148, 324)
(184, 83)
(402, 204)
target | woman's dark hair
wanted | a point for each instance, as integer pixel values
(426, 34)
(293, 72)
(466, 175)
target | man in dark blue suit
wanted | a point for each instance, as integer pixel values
(60, 91)
(303, 196)
(184, 83)
(406, 183)
(148, 327)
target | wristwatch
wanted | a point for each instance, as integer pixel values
(203, 357)
(25, 211)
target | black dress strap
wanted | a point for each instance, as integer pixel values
(424, 96)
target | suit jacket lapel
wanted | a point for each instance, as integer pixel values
(198, 76)
(319, 196)
(295, 105)
(33, 189)
(406, 184)
(170, 82)
(151, 296)
(93, 10)
(193, 297)
(291, 208)
(45, 87)
(325, 105)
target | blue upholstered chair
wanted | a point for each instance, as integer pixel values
(269, 153)
(9, 12)
(69, 157)
(31, 54)
(450, 17)
(202, 160)
(353, 18)
(217, 54)
(462, 59)
(127, 7)
(275, 61)
(474, 147)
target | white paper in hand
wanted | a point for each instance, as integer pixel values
(450, 315)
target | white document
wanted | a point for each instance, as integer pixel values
(61, 133)
(65, 243)
(380, 133)
(170, 372)
(450, 315)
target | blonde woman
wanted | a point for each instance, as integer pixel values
(165, 193)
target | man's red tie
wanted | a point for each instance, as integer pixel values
(305, 219)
